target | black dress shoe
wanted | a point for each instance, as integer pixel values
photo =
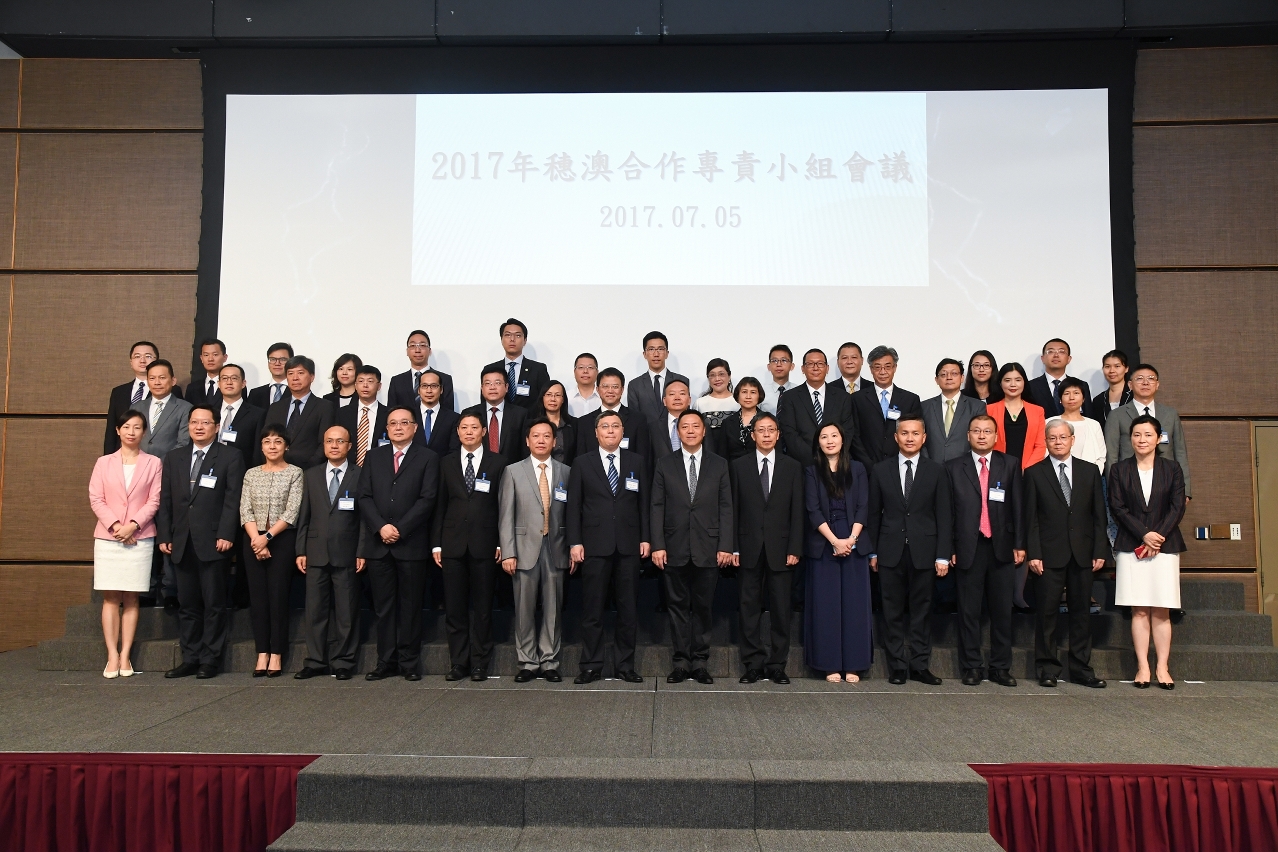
(1141, 684)
(588, 676)
(526, 675)
(702, 676)
(1170, 684)
(779, 677)
(184, 670)
(274, 672)
(259, 672)
(171, 605)
(1002, 677)
(677, 676)
(381, 673)
(925, 676)
(1090, 682)
(897, 677)
(1046, 680)
(971, 677)
(552, 675)
(412, 677)
(751, 676)
(308, 672)
(479, 674)
(342, 674)
(630, 676)
(456, 673)
(206, 672)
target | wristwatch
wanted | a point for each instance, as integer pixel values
(269, 536)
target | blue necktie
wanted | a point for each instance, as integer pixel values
(279, 392)
(510, 380)
(883, 403)
(674, 436)
(612, 474)
(137, 394)
(297, 410)
(430, 413)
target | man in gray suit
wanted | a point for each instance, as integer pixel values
(328, 532)
(531, 525)
(1118, 440)
(165, 411)
(646, 391)
(946, 416)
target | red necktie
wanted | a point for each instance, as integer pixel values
(398, 457)
(494, 432)
(985, 501)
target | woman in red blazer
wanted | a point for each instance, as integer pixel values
(1020, 423)
(124, 492)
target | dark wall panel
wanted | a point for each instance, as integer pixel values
(622, 21)
(325, 19)
(706, 19)
(1220, 461)
(191, 19)
(963, 16)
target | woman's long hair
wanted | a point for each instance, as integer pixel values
(1012, 367)
(969, 385)
(539, 406)
(836, 481)
(343, 360)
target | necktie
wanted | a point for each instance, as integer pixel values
(430, 415)
(278, 393)
(398, 458)
(763, 478)
(780, 393)
(1147, 411)
(612, 475)
(157, 408)
(417, 381)
(510, 382)
(985, 501)
(494, 432)
(470, 472)
(332, 486)
(656, 386)
(226, 418)
(196, 458)
(674, 436)
(363, 437)
(949, 418)
(1065, 486)
(137, 394)
(1056, 390)
(816, 406)
(883, 403)
(909, 479)
(296, 412)
(545, 499)
(209, 393)
(851, 387)
(692, 478)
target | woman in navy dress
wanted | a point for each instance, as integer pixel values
(836, 622)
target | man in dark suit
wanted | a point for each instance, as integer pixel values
(663, 431)
(263, 396)
(608, 533)
(240, 423)
(205, 389)
(436, 423)
(505, 425)
(1066, 543)
(397, 491)
(526, 379)
(403, 387)
(648, 390)
(946, 415)
(365, 419)
(328, 534)
(132, 394)
(879, 407)
(813, 404)
(767, 502)
(909, 523)
(850, 362)
(467, 549)
(305, 416)
(989, 542)
(1045, 390)
(692, 537)
(195, 526)
(635, 438)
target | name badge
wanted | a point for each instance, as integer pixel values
(894, 414)
(561, 494)
(625, 443)
(383, 441)
(632, 484)
(346, 504)
(1164, 438)
(522, 389)
(229, 436)
(208, 480)
(997, 495)
(483, 486)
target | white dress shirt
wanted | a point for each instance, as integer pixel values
(479, 456)
(371, 408)
(616, 454)
(519, 367)
(878, 395)
(488, 413)
(402, 451)
(210, 378)
(1140, 407)
(687, 460)
(157, 407)
(282, 387)
(850, 385)
(976, 462)
(579, 405)
(772, 463)
(228, 416)
(434, 415)
(901, 459)
(341, 472)
(133, 389)
(820, 392)
(1069, 469)
(772, 395)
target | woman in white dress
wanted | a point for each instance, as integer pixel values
(1147, 498)
(124, 492)
(717, 405)
(1089, 438)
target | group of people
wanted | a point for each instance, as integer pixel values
(835, 498)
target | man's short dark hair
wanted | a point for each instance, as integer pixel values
(276, 347)
(670, 382)
(850, 345)
(472, 416)
(585, 355)
(493, 370)
(159, 362)
(213, 341)
(512, 321)
(817, 351)
(908, 418)
(604, 412)
(983, 416)
(655, 335)
(154, 348)
(882, 352)
(1057, 340)
(405, 409)
(945, 362)
(1133, 371)
(415, 332)
(541, 421)
(781, 347)
(233, 367)
(610, 373)
(212, 410)
(1115, 353)
(690, 412)
(368, 370)
(300, 361)
(431, 371)
(763, 415)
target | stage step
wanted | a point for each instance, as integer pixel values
(377, 837)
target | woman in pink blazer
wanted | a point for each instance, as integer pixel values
(124, 492)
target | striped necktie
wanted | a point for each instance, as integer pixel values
(363, 437)
(544, 487)
(816, 406)
(612, 474)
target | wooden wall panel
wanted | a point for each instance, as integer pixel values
(102, 314)
(6, 295)
(1206, 84)
(8, 164)
(10, 70)
(36, 598)
(1198, 328)
(109, 201)
(112, 93)
(45, 511)
(1221, 466)
(1206, 195)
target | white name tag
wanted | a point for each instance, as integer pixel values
(625, 443)
(632, 484)
(483, 486)
(208, 480)
(522, 390)
(561, 494)
(383, 442)
(229, 436)
(997, 495)
(894, 414)
(346, 504)
(1164, 438)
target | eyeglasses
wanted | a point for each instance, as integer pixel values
(807, 364)
(981, 432)
(277, 360)
(336, 441)
(1056, 352)
(430, 385)
(419, 346)
(780, 361)
(656, 349)
(1144, 380)
(399, 423)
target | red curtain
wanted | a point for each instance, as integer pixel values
(1105, 807)
(154, 802)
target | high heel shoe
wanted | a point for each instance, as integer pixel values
(110, 674)
(274, 672)
(1171, 684)
(259, 672)
(129, 672)
(1141, 684)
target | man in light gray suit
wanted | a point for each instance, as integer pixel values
(647, 390)
(1118, 438)
(166, 413)
(946, 416)
(531, 527)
